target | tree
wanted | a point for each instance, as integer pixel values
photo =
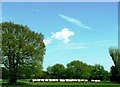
(4, 73)
(115, 54)
(76, 69)
(49, 72)
(22, 51)
(98, 72)
(115, 70)
(114, 73)
(0, 52)
(57, 71)
(45, 75)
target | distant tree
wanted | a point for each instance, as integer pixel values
(49, 72)
(87, 71)
(22, 51)
(57, 71)
(106, 76)
(115, 70)
(98, 72)
(44, 75)
(77, 69)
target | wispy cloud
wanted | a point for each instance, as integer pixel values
(85, 45)
(96, 44)
(74, 21)
(69, 46)
(63, 35)
(35, 9)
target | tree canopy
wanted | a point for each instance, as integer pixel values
(115, 54)
(22, 51)
(77, 70)
(115, 70)
(58, 71)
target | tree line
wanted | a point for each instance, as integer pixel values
(22, 56)
(76, 70)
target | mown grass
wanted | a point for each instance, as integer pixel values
(26, 83)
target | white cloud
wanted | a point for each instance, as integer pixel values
(63, 35)
(74, 21)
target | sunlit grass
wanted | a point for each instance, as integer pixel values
(26, 83)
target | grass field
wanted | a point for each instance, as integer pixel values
(60, 84)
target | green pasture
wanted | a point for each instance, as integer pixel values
(26, 83)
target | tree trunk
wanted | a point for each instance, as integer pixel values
(12, 76)
(12, 80)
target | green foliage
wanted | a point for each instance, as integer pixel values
(115, 70)
(57, 71)
(115, 54)
(98, 72)
(22, 51)
(5, 73)
(0, 52)
(78, 70)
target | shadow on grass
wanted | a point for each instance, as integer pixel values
(58, 86)
(18, 83)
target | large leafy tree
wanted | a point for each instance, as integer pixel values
(115, 70)
(22, 51)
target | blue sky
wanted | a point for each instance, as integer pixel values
(73, 31)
